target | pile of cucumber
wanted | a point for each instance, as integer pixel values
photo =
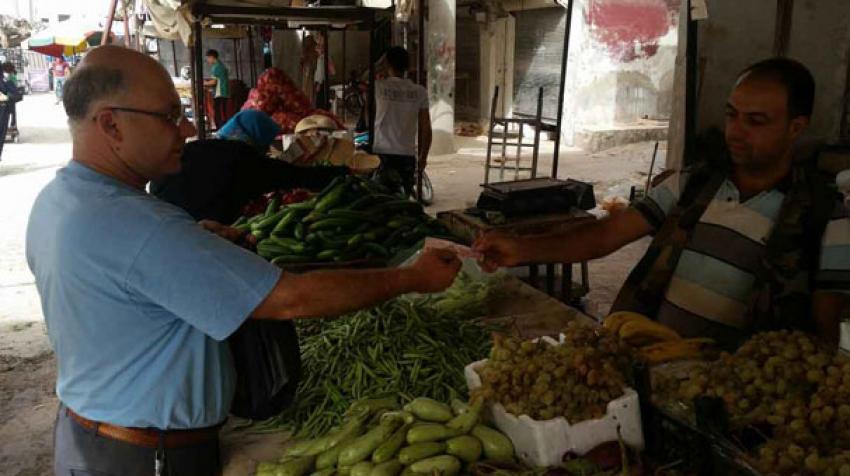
(352, 219)
(381, 439)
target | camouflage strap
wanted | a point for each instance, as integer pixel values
(782, 295)
(644, 289)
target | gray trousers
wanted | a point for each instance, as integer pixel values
(78, 451)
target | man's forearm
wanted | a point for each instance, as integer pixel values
(331, 293)
(585, 241)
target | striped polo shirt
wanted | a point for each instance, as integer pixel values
(712, 285)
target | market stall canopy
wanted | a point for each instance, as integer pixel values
(66, 38)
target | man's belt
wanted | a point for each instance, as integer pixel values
(148, 438)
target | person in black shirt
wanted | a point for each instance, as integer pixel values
(219, 176)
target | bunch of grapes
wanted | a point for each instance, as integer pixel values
(783, 380)
(575, 380)
(783, 457)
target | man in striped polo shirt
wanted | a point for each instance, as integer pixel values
(712, 227)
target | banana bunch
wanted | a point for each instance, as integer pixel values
(656, 342)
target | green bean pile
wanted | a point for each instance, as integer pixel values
(409, 346)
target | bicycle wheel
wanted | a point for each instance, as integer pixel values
(427, 190)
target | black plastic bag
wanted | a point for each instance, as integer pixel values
(268, 367)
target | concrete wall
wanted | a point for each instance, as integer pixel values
(738, 34)
(820, 37)
(735, 35)
(621, 63)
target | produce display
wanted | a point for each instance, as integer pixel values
(381, 438)
(575, 380)
(657, 343)
(351, 219)
(784, 384)
(284, 197)
(278, 96)
(407, 347)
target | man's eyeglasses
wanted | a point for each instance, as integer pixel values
(173, 118)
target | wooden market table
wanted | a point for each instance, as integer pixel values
(526, 311)
(468, 227)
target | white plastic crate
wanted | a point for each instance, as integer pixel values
(544, 443)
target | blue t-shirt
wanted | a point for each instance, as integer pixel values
(138, 300)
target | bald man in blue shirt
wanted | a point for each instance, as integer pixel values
(139, 299)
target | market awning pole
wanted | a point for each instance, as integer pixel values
(174, 59)
(251, 53)
(236, 58)
(372, 59)
(104, 39)
(198, 70)
(126, 27)
(345, 74)
(420, 67)
(561, 89)
(690, 87)
(325, 61)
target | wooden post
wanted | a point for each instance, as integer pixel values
(104, 39)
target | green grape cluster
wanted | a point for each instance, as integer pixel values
(784, 457)
(575, 380)
(786, 381)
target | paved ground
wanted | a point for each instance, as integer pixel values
(27, 366)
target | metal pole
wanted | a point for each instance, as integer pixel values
(651, 166)
(236, 58)
(198, 69)
(421, 74)
(690, 87)
(562, 88)
(344, 72)
(251, 53)
(326, 88)
(104, 39)
(126, 24)
(174, 59)
(372, 59)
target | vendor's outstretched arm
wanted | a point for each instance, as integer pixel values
(589, 240)
(330, 293)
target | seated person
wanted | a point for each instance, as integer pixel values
(219, 176)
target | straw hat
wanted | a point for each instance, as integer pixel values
(316, 121)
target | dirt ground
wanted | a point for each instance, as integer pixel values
(27, 366)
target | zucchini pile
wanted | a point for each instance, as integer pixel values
(352, 219)
(379, 438)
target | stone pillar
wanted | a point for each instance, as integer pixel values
(441, 73)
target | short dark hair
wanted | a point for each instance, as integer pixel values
(398, 59)
(89, 84)
(8, 68)
(212, 53)
(797, 79)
